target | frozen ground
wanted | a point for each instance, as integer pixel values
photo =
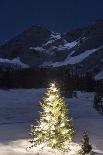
(19, 108)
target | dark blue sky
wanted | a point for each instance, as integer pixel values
(57, 15)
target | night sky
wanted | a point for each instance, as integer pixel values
(57, 15)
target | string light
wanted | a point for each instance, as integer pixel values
(53, 120)
(52, 85)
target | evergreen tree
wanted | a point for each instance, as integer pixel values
(55, 127)
(86, 147)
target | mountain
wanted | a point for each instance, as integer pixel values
(80, 49)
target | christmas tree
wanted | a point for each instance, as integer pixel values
(86, 147)
(55, 127)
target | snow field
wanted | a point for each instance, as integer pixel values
(19, 109)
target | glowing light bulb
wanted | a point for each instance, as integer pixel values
(52, 85)
(62, 124)
(54, 141)
(64, 132)
(54, 89)
(51, 97)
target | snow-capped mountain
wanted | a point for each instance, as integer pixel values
(80, 49)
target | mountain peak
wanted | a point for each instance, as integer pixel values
(39, 47)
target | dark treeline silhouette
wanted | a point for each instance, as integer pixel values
(98, 102)
(41, 77)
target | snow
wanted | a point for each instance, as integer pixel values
(71, 44)
(19, 109)
(73, 150)
(18, 148)
(70, 60)
(40, 49)
(15, 61)
(75, 59)
(67, 45)
(99, 76)
(46, 63)
(53, 37)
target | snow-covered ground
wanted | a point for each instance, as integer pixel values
(19, 108)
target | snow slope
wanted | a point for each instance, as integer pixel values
(67, 45)
(18, 109)
(75, 59)
(72, 59)
(40, 49)
(99, 76)
(15, 61)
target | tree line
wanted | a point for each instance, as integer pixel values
(41, 77)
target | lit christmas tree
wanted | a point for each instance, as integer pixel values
(55, 127)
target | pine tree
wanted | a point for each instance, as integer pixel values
(86, 147)
(55, 127)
